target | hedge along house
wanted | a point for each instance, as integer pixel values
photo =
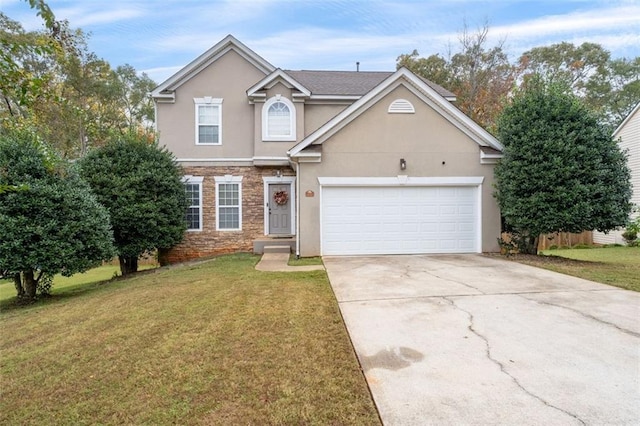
(327, 162)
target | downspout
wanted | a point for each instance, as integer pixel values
(298, 191)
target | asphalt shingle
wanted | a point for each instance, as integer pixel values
(348, 83)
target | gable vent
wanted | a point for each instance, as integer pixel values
(401, 106)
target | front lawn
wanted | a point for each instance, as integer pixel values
(617, 266)
(62, 285)
(210, 343)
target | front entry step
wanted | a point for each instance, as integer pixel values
(274, 245)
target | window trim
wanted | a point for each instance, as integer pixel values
(265, 120)
(270, 180)
(188, 179)
(207, 101)
(228, 179)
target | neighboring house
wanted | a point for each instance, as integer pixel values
(628, 135)
(329, 162)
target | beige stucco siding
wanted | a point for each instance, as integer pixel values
(372, 146)
(227, 78)
(318, 114)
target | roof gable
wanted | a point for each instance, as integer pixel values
(270, 80)
(419, 87)
(165, 89)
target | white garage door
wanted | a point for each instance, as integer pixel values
(399, 220)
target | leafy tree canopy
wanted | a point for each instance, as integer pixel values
(52, 82)
(141, 186)
(562, 171)
(50, 221)
(483, 77)
(609, 87)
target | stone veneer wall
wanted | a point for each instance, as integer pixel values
(210, 242)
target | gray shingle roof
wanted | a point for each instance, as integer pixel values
(345, 83)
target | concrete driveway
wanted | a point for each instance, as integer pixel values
(476, 340)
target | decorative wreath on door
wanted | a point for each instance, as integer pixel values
(281, 197)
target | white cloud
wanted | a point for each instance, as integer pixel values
(610, 20)
(159, 36)
(160, 74)
(320, 48)
(87, 16)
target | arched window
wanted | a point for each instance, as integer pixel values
(278, 120)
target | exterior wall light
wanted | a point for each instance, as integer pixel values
(403, 164)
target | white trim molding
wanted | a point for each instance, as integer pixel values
(215, 160)
(266, 181)
(275, 77)
(266, 136)
(427, 94)
(213, 102)
(402, 180)
(228, 179)
(165, 92)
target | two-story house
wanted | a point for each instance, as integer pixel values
(330, 162)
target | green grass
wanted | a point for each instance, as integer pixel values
(210, 343)
(61, 285)
(304, 261)
(618, 266)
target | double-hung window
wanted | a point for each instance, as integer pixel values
(208, 121)
(193, 188)
(228, 203)
(278, 120)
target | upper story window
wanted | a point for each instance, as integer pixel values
(208, 121)
(278, 120)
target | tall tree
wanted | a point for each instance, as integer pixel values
(623, 90)
(53, 83)
(480, 76)
(434, 68)
(50, 221)
(561, 171)
(141, 186)
(609, 87)
(133, 97)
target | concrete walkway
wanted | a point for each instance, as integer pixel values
(475, 340)
(278, 262)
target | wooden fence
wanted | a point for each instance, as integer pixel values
(565, 239)
(561, 239)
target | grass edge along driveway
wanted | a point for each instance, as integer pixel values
(616, 266)
(211, 343)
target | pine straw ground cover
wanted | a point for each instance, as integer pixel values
(211, 343)
(617, 266)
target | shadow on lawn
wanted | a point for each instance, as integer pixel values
(68, 292)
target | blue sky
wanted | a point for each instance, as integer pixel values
(160, 36)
